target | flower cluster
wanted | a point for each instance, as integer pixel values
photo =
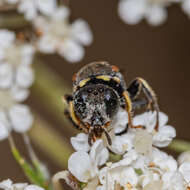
(32, 8)
(8, 185)
(154, 11)
(54, 32)
(57, 35)
(141, 165)
(16, 76)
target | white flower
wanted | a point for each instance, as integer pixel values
(173, 180)
(80, 142)
(15, 60)
(184, 169)
(184, 157)
(120, 121)
(92, 185)
(18, 117)
(123, 143)
(141, 167)
(12, 114)
(186, 7)
(151, 179)
(21, 118)
(124, 176)
(16, 76)
(143, 142)
(9, 36)
(58, 36)
(71, 50)
(8, 185)
(84, 166)
(32, 8)
(133, 11)
(6, 75)
(24, 77)
(165, 133)
(128, 159)
(81, 32)
(4, 133)
(162, 160)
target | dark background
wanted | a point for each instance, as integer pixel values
(158, 54)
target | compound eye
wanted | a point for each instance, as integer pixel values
(80, 105)
(111, 102)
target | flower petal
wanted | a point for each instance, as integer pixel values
(33, 187)
(143, 142)
(147, 119)
(19, 186)
(165, 162)
(4, 133)
(25, 76)
(163, 119)
(120, 121)
(185, 171)
(6, 184)
(28, 8)
(98, 153)
(19, 94)
(131, 11)
(81, 32)
(184, 157)
(21, 118)
(128, 175)
(47, 44)
(121, 144)
(47, 7)
(80, 142)
(6, 75)
(27, 54)
(61, 13)
(9, 36)
(156, 15)
(164, 136)
(79, 165)
(71, 51)
(186, 7)
(4, 126)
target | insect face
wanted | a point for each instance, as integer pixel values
(95, 105)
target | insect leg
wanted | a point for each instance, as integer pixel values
(122, 132)
(139, 85)
(108, 137)
(128, 108)
(91, 136)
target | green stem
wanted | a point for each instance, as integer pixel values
(28, 170)
(179, 146)
(35, 161)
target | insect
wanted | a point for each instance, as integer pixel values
(99, 89)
